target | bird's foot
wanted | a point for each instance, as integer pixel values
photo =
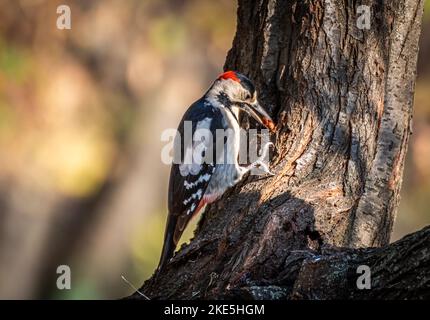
(259, 167)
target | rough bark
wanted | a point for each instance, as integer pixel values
(398, 271)
(342, 98)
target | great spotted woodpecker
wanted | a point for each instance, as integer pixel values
(195, 183)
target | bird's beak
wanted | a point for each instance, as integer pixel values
(258, 113)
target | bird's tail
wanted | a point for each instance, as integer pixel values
(169, 244)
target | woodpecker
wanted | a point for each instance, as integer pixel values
(195, 183)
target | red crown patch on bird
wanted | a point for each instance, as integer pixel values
(229, 75)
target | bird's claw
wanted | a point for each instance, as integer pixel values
(259, 164)
(262, 167)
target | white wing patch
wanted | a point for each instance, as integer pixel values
(196, 195)
(194, 156)
(203, 178)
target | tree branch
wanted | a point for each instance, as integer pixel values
(398, 271)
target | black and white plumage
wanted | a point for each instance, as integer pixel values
(199, 178)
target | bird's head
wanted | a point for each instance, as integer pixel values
(233, 89)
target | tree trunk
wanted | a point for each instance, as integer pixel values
(342, 99)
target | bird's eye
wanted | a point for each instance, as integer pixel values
(247, 96)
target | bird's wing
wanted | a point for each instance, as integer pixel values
(189, 179)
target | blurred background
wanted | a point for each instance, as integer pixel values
(81, 115)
